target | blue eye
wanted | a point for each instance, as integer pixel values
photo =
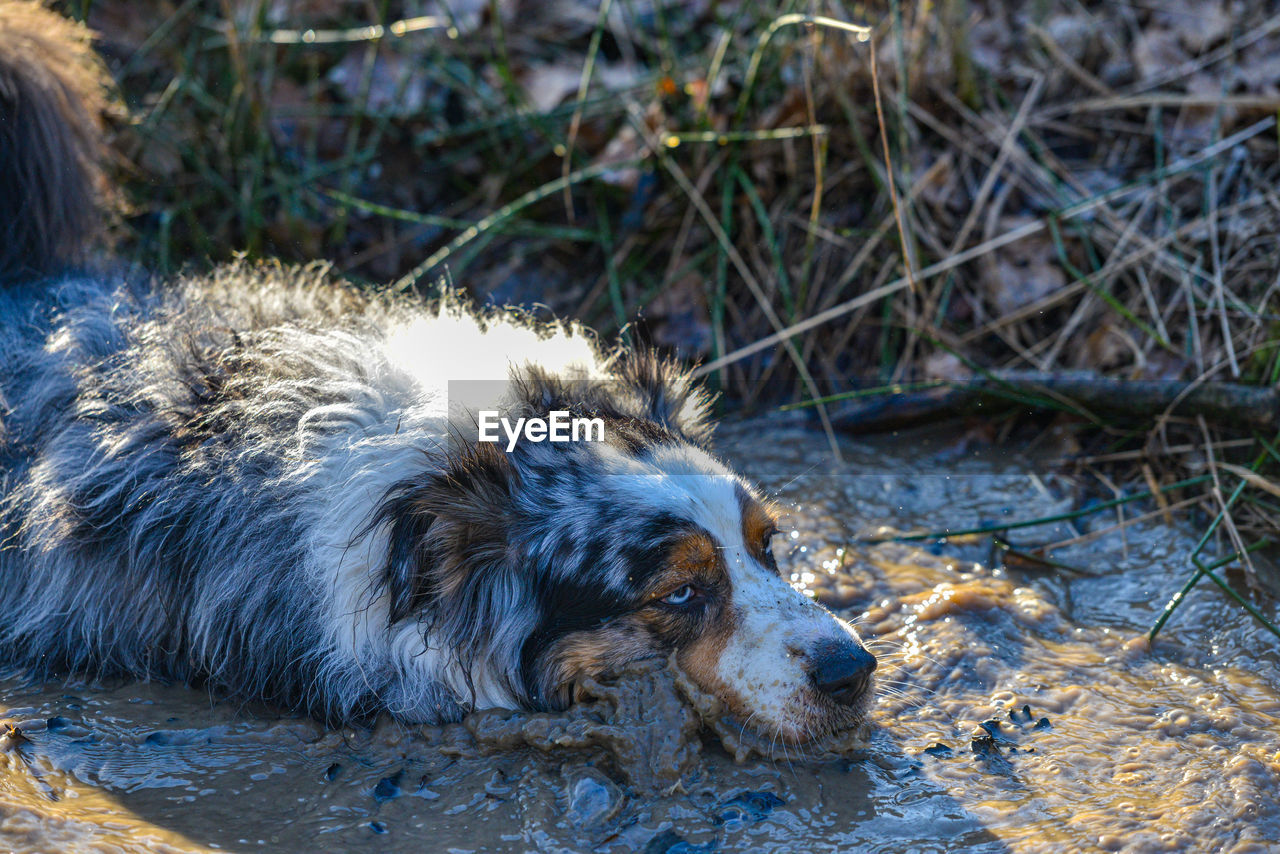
(681, 596)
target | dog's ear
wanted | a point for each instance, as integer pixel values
(668, 395)
(448, 530)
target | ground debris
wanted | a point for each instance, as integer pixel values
(639, 720)
(649, 721)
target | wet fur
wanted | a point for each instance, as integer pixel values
(261, 479)
(170, 453)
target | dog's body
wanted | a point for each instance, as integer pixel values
(260, 480)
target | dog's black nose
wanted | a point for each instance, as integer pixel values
(841, 670)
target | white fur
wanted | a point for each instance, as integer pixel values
(418, 366)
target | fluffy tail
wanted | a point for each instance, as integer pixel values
(52, 94)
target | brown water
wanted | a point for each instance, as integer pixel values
(1120, 746)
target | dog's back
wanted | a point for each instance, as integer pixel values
(51, 96)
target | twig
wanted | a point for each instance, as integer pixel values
(1139, 453)
(1252, 478)
(997, 527)
(1222, 403)
(891, 178)
(1165, 510)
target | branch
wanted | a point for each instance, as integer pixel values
(1085, 394)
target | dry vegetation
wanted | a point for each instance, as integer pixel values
(1072, 186)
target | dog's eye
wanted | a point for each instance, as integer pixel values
(683, 596)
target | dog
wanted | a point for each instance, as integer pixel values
(259, 480)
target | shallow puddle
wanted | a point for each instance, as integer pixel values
(1019, 710)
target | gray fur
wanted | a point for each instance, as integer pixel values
(169, 450)
(156, 490)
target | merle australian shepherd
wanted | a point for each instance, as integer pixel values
(255, 479)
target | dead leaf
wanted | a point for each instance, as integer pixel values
(1156, 51)
(1259, 67)
(1103, 348)
(939, 182)
(467, 16)
(1197, 23)
(397, 86)
(1161, 365)
(298, 119)
(1198, 123)
(625, 145)
(580, 16)
(1076, 35)
(989, 42)
(699, 93)
(119, 22)
(292, 13)
(1022, 272)
(548, 85)
(680, 319)
(941, 365)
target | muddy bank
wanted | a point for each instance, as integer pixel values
(1018, 711)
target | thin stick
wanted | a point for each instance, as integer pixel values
(890, 176)
(504, 213)
(584, 80)
(1228, 521)
(1030, 523)
(1166, 510)
(1120, 456)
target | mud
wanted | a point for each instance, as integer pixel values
(639, 723)
(1020, 709)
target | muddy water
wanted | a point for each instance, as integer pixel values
(1020, 711)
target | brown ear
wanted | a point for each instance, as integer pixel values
(447, 530)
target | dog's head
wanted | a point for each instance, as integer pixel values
(551, 562)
